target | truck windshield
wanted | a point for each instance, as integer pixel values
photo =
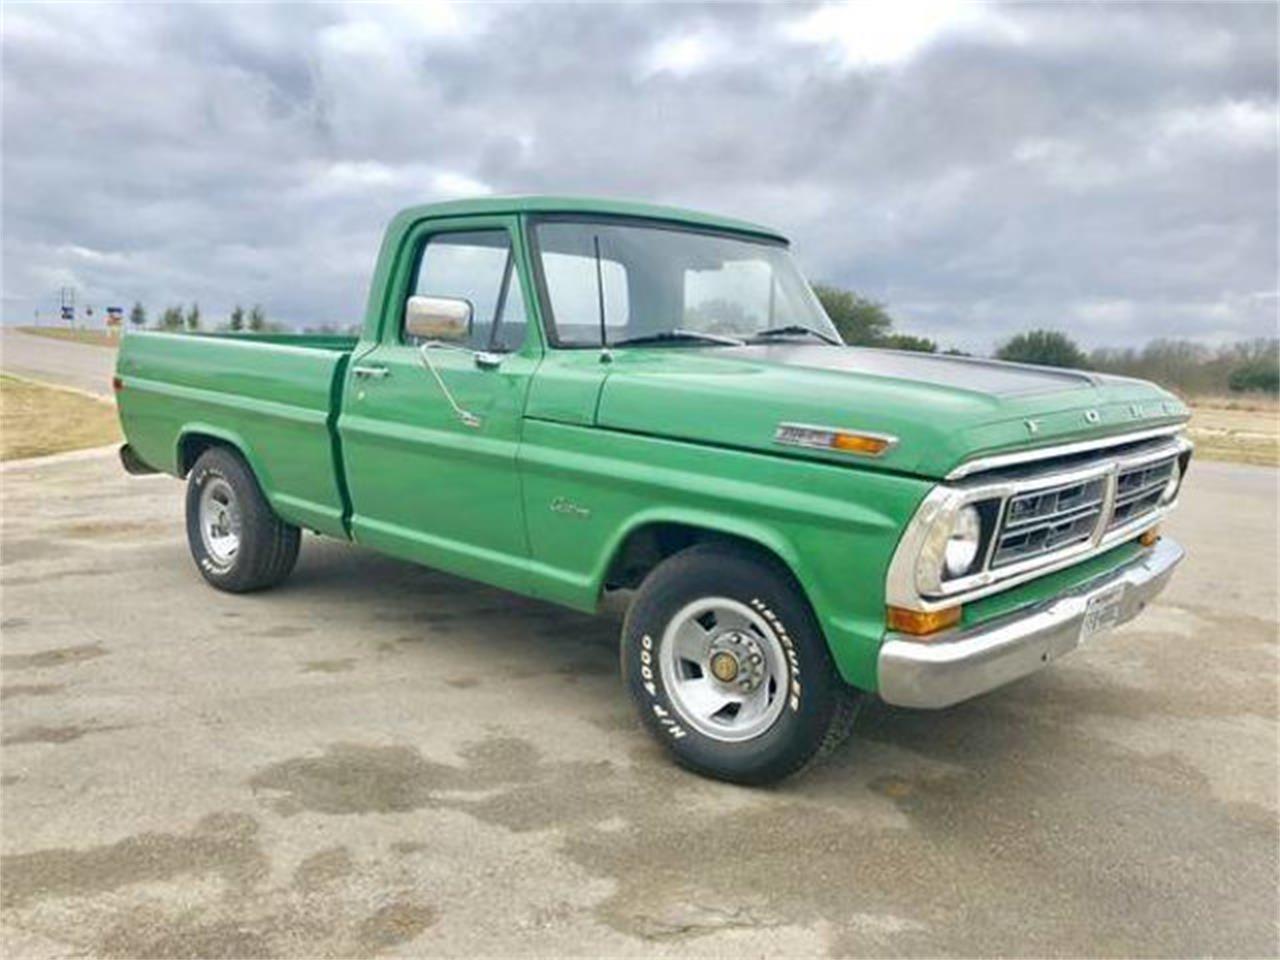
(657, 285)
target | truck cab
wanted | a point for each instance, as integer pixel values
(566, 398)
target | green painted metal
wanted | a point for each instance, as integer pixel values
(271, 401)
(575, 455)
(739, 401)
(425, 485)
(311, 341)
(586, 490)
(589, 206)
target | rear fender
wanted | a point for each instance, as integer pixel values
(223, 437)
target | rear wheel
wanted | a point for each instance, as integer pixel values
(236, 539)
(714, 652)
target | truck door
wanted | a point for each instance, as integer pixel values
(431, 471)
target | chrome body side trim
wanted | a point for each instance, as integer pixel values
(807, 435)
(962, 663)
(1000, 460)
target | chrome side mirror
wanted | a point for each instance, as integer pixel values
(442, 319)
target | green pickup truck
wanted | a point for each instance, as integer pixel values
(565, 398)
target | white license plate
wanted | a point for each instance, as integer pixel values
(1102, 612)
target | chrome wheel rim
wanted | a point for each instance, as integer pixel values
(724, 669)
(219, 522)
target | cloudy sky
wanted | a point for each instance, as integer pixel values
(1110, 170)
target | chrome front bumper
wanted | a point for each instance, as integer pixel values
(964, 663)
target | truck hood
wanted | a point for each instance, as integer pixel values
(942, 409)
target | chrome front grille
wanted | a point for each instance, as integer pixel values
(1044, 521)
(1138, 491)
(1047, 520)
(1037, 516)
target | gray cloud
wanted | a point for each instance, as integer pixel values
(1107, 169)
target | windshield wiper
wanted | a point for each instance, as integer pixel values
(678, 336)
(794, 330)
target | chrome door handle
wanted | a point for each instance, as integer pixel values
(376, 373)
(487, 360)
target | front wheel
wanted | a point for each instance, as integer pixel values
(236, 539)
(729, 669)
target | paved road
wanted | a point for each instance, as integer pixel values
(76, 365)
(376, 757)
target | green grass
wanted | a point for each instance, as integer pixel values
(36, 420)
(95, 338)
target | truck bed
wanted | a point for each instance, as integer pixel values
(274, 396)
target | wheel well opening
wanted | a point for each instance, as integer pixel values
(191, 446)
(647, 546)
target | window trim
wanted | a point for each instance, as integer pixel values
(545, 311)
(510, 275)
(509, 270)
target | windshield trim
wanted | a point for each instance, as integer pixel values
(546, 316)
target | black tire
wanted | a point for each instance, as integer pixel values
(268, 546)
(817, 715)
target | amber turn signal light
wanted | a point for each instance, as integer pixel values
(833, 438)
(919, 623)
(1150, 538)
(870, 446)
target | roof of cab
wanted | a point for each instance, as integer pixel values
(583, 205)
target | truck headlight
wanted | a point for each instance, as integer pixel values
(953, 541)
(963, 542)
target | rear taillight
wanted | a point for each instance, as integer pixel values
(117, 384)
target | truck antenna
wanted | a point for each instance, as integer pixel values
(605, 356)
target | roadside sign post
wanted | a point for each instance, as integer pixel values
(67, 304)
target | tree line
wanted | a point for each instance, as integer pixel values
(1186, 366)
(1182, 365)
(864, 322)
(174, 318)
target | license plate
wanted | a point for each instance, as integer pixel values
(1102, 612)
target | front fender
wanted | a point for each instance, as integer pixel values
(711, 522)
(835, 527)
